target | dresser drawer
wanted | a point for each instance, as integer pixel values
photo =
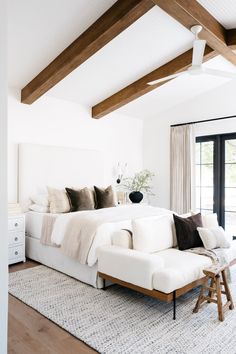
(16, 252)
(16, 238)
(16, 224)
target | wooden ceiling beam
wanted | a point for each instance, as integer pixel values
(190, 13)
(140, 87)
(231, 38)
(115, 20)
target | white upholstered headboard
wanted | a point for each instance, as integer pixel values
(41, 166)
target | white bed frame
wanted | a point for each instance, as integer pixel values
(41, 166)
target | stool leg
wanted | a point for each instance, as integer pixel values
(200, 297)
(210, 293)
(219, 299)
(227, 290)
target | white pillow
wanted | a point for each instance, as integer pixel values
(122, 238)
(209, 220)
(58, 201)
(40, 199)
(152, 234)
(39, 208)
(214, 237)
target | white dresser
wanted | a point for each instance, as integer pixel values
(16, 236)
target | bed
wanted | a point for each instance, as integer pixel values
(99, 225)
(41, 166)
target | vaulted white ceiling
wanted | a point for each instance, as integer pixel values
(224, 11)
(40, 30)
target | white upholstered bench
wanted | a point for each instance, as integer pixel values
(165, 274)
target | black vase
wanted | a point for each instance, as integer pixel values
(136, 197)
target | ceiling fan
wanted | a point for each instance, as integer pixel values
(197, 60)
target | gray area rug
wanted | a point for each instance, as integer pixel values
(119, 320)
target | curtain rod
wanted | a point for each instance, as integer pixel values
(202, 121)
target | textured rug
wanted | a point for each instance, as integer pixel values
(119, 320)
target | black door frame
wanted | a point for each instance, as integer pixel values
(219, 171)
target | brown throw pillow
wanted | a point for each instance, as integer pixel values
(105, 198)
(186, 231)
(82, 199)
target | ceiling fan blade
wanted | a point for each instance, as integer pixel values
(166, 78)
(198, 52)
(221, 73)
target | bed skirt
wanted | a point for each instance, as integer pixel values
(54, 258)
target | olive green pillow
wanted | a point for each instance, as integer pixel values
(105, 197)
(82, 199)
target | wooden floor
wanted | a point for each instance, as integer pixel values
(32, 333)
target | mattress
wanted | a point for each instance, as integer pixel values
(34, 222)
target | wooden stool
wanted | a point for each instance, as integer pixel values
(213, 274)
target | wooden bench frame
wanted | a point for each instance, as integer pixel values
(167, 297)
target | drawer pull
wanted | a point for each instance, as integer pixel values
(16, 224)
(16, 238)
(16, 253)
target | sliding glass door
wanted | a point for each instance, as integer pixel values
(216, 178)
(229, 185)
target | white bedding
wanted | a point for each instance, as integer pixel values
(34, 221)
(98, 225)
(108, 220)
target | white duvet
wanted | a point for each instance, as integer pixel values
(99, 225)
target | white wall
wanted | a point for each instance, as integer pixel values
(52, 121)
(3, 182)
(216, 103)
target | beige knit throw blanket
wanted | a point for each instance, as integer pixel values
(218, 256)
(84, 228)
(46, 231)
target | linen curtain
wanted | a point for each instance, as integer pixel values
(182, 165)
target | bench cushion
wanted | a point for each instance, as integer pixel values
(129, 265)
(180, 268)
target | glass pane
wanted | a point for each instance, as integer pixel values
(207, 152)
(197, 153)
(230, 175)
(204, 178)
(230, 199)
(198, 176)
(207, 198)
(230, 150)
(198, 198)
(230, 223)
(207, 175)
(205, 212)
